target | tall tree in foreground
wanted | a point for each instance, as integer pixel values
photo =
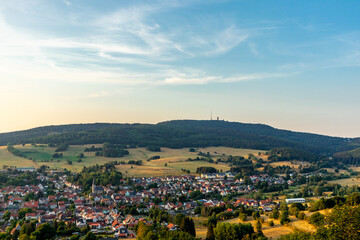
(210, 235)
(187, 225)
(344, 223)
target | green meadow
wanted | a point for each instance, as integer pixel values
(171, 161)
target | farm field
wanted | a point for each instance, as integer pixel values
(332, 170)
(347, 181)
(43, 156)
(271, 232)
(355, 169)
(277, 230)
(200, 229)
(230, 151)
(157, 168)
(175, 159)
(9, 159)
(290, 164)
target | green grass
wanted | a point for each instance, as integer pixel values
(158, 168)
(174, 158)
(193, 165)
(218, 151)
(9, 159)
(38, 156)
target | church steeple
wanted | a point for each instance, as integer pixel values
(93, 187)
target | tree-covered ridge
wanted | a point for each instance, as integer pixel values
(179, 134)
(286, 154)
(349, 157)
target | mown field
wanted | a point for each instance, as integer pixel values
(200, 229)
(277, 230)
(8, 159)
(174, 159)
(347, 181)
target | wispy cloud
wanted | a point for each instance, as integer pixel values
(200, 79)
(116, 44)
(228, 39)
(67, 3)
(307, 27)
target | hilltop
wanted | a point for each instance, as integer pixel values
(180, 134)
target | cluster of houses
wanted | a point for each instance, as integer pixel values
(104, 209)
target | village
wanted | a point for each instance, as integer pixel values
(116, 210)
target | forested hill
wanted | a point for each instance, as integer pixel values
(181, 133)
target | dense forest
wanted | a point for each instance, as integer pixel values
(288, 154)
(348, 157)
(182, 133)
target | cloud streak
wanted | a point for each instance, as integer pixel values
(127, 46)
(130, 36)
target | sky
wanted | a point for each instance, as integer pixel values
(289, 64)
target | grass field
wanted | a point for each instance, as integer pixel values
(174, 158)
(271, 232)
(157, 168)
(277, 230)
(200, 229)
(9, 159)
(355, 169)
(218, 151)
(347, 181)
(43, 156)
(290, 164)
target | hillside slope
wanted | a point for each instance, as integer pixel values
(181, 133)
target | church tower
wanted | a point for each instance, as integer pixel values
(93, 188)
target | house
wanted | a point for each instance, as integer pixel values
(122, 232)
(94, 225)
(14, 216)
(26, 169)
(30, 216)
(171, 227)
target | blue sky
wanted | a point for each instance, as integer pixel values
(290, 64)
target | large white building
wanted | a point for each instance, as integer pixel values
(295, 200)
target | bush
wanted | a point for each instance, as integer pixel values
(256, 215)
(242, 216)
(317, 219)
(301, 215)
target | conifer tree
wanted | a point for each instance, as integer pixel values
(187, 225)
(210, 235)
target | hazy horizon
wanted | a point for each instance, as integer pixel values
(288, 64)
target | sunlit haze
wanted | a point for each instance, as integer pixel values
(289, 64)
